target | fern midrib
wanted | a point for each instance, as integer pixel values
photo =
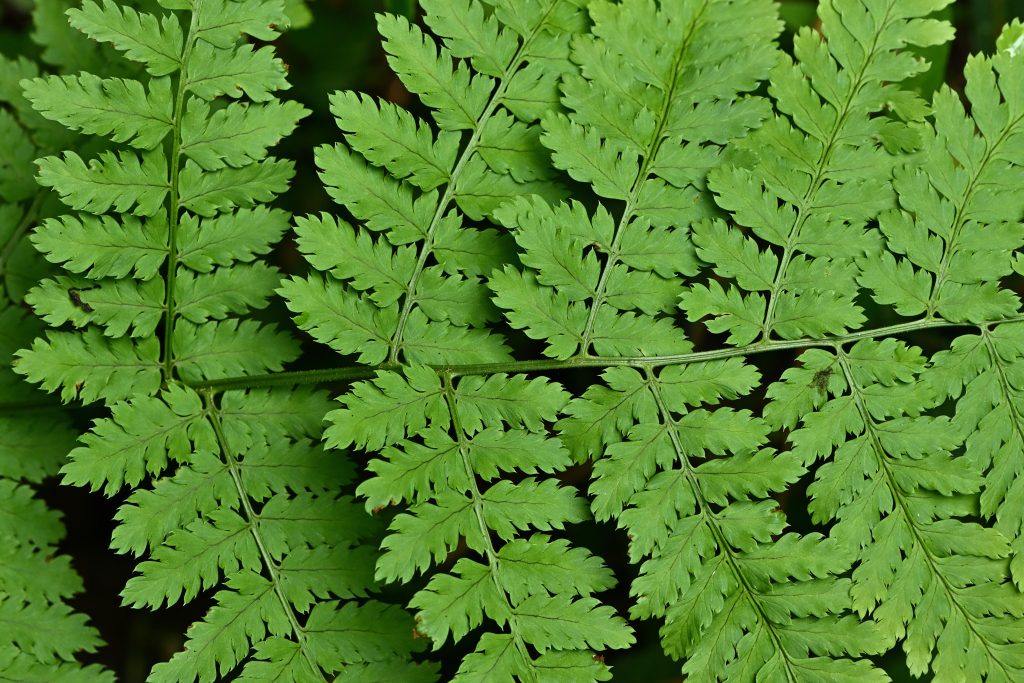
(357, 372)
(712, 522)
(960, 221)
(896, 491)
(253, 521)
(494, 564)
(657, 139)
(448, 197)
(818, 181)
(174, 200)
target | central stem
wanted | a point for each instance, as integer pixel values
(174, 200)
(485, 533)
(359, 372)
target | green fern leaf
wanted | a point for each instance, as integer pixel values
(114, 107)
(388, 300)
(154, 41)
(735, 213)
(42, 635)
(236, 135)
(229, 237)
(234, 72)
(139, 182)
(897, 493)
(101, 246)
(91, 368)
(580, 302)
(208, 192)
(457, 436)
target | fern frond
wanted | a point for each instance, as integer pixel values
(810, 180)
(776, 203)
(900, 497)
(270, 507)
(951, 239)
(409, 291)
(690, 485)
(953, 235)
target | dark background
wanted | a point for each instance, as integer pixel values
(338, 49)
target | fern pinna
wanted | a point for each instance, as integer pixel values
(230, 492)
(651, 195)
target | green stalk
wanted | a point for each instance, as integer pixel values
(174, 200)
(357, 372)
(490, 552)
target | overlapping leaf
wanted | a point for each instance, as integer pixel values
(40, 635)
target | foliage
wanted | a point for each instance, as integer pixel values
(40, 635)
(556, 286)
(230, 492)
